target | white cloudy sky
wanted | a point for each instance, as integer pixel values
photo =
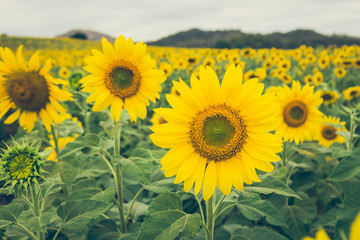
(146, 20)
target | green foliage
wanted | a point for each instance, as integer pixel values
(165, 219)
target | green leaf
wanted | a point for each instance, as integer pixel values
(297, 215)
(161, 186)
(77, 214)
(104, 230)
(89, 140)
(256, 233)
(37, 224)
(9, 214)
(138, 165)
(165, 219)
(270, 184)
(351, 206)
(255, 209)
(347, 168)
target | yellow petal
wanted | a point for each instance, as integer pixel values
(210, 180)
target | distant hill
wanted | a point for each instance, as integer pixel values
(239, 39)
(87, 34)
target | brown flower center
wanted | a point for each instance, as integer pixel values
(295, 114)
(329, 132)
(123, 80)
(28, 90)
(218, 132)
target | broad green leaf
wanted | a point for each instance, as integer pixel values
(157, 155)
(9, 214)
(161, 186)
(298, 214)
(34, 223)
(68, 171)
(104, 230)
(138, 165)
(255, 209)
(89, 140)
(351, 206)
(257, 233)
(77, 214)
(347, 168)
(270, 184)
(165, 219)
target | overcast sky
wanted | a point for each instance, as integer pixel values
(146, 20)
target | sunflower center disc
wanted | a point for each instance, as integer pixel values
(28, 90)
(123, 79)
(218, 132)
(295, 114)
(329, 132)
(327, 97)
(21, 167)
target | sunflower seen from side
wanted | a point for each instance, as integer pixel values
(122, 76)
(30, 91)
(218, 134)
(299, 115)
(327, 133)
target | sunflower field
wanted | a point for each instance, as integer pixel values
(127, 141)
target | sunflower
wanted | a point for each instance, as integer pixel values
(64, 72)
(339, 72)
(308, 79)
(166, 68)
(157, 119)
(300, 118)
(327, 134)
(218, 134)
(30, 90)
(20, 166)
(351, 92)
(122, 76)
(329, 97)
(318, 78)
(324, 61)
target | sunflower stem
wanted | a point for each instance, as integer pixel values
(210, 217)
(132, 204)
(284, 153)
(119, 173)
(31, 234)
(55, 139)
(118, 182)
(201, 209)
(86, 117)
(35, 200)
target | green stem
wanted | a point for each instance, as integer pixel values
(55, 139)
(352, 130)
(210, 218)
(31, 234)
(219, 204)
(132, 203)
(226, 208)
(35, 200)
(119, 193)
(57, 232)
(86, 117)
(284, 153)
(201, 210)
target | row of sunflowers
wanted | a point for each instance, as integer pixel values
(138, 142)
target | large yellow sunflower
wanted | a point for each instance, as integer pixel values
(300, 117)
(327, 134)
(218, 134)
(122, 75)
(30, 90)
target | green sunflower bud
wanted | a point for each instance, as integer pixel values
(20, 166)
